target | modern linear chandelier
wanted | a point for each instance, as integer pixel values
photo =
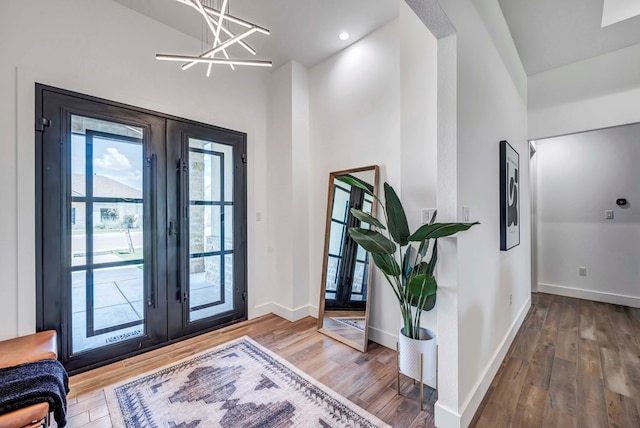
(218, 22)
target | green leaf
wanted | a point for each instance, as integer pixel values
(422, 285)
(433, 217)
(396, 218)
(421, 268)
(452, 229)
(387, 264)
(406, 265)
(367, 218)
(434, 259)
(429, 303)
(424, 248)
(439, 230)
(372, 241)
(423, 231)
(355, 183)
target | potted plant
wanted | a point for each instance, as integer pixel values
(408, 270)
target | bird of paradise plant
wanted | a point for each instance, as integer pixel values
(409, 272)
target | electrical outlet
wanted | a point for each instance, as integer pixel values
(426, 214)
(608, 215)
(258, 216)
(510, 299)
(582, 271)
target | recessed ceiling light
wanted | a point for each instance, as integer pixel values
(344, 35)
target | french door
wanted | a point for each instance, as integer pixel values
(207, 246)
(141, 227)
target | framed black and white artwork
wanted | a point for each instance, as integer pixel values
(509, 197)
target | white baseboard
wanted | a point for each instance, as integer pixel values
(445, 417)
(313, 311)
(375, 334)
(284, 312)
(598, 296)
(383, 338)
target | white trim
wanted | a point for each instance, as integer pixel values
(482, 386)
(598, 296)
(313, 311)
(445, 417)
(284, 312)
(260, 310)
(382, 337)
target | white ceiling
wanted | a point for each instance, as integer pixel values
(552, 33)
(302, 30)
(547, 33)
(619, 10)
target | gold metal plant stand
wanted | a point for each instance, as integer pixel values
(414, 381)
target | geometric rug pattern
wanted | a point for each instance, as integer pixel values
(355, 322)
(236, 384)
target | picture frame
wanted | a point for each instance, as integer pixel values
(509, 196)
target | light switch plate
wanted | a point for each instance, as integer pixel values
(466, 214)
(426, 214)
(608, 215)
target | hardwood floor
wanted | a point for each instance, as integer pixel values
(574, 363)
(369, 380)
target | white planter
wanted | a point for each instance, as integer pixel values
(410, 350)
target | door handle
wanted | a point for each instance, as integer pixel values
(152, 292)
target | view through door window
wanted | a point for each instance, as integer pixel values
(210, 229)
(107, 228)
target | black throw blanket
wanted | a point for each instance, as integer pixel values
(32, 383)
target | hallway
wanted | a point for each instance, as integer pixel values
(573, 363)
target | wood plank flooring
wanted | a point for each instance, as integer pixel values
(574, 363)
(369, 380)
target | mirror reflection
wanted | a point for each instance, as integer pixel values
(346, 285)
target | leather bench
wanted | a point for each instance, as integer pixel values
(27, 349)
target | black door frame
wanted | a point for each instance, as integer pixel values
(47, 195)
(178, 134)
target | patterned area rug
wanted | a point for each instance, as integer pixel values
(355, 322)
(237, 384)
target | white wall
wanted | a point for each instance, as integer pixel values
(287, 185)
(302, 196)
(418, 124)
(375, 103)
(355, 121)
(279, 215)
(103, 49)
(491, 106)
(579, 177)
(595, 93)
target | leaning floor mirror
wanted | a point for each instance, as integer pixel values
(345, 294)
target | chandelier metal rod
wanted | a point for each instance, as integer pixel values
(216, 13)
(244, 44)
(254, 62)
(211, 26)
(220, 47)
(217, 22)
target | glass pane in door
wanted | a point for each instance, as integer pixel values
(106, 216)
(338, 234)
(211, 209)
